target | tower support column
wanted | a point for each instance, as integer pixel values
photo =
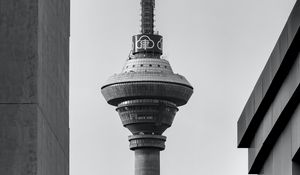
(147, 148)
(147, 161)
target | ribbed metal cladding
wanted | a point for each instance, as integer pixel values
(117, 93)
(143, 141)
(147, 20)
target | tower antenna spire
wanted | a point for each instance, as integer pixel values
(147, 26)
(147, 44)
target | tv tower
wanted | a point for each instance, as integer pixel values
(147, 94)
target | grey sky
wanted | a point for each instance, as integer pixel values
(220, 46)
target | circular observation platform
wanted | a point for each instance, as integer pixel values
(147, 116)
(147, 78)
(147, 141)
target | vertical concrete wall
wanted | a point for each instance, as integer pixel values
(279, 161)
(34, 83)
(284, 156)
(53, 86)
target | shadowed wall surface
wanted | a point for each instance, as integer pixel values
(34, 87)
(269, 124)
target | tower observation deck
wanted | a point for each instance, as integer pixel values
(147, 94)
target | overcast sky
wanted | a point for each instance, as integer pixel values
(220, 46)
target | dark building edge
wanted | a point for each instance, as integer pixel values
(271, 79)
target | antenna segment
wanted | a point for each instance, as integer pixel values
(147, 26)
(147, 44)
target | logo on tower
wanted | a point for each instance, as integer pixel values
(159, 44)
(145, 43)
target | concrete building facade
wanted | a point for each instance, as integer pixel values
(269, 125)
(34, 87)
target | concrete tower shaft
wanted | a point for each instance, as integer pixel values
(147, 94)
(147, 162)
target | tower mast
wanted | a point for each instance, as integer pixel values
(147, 20)
(147, 94)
